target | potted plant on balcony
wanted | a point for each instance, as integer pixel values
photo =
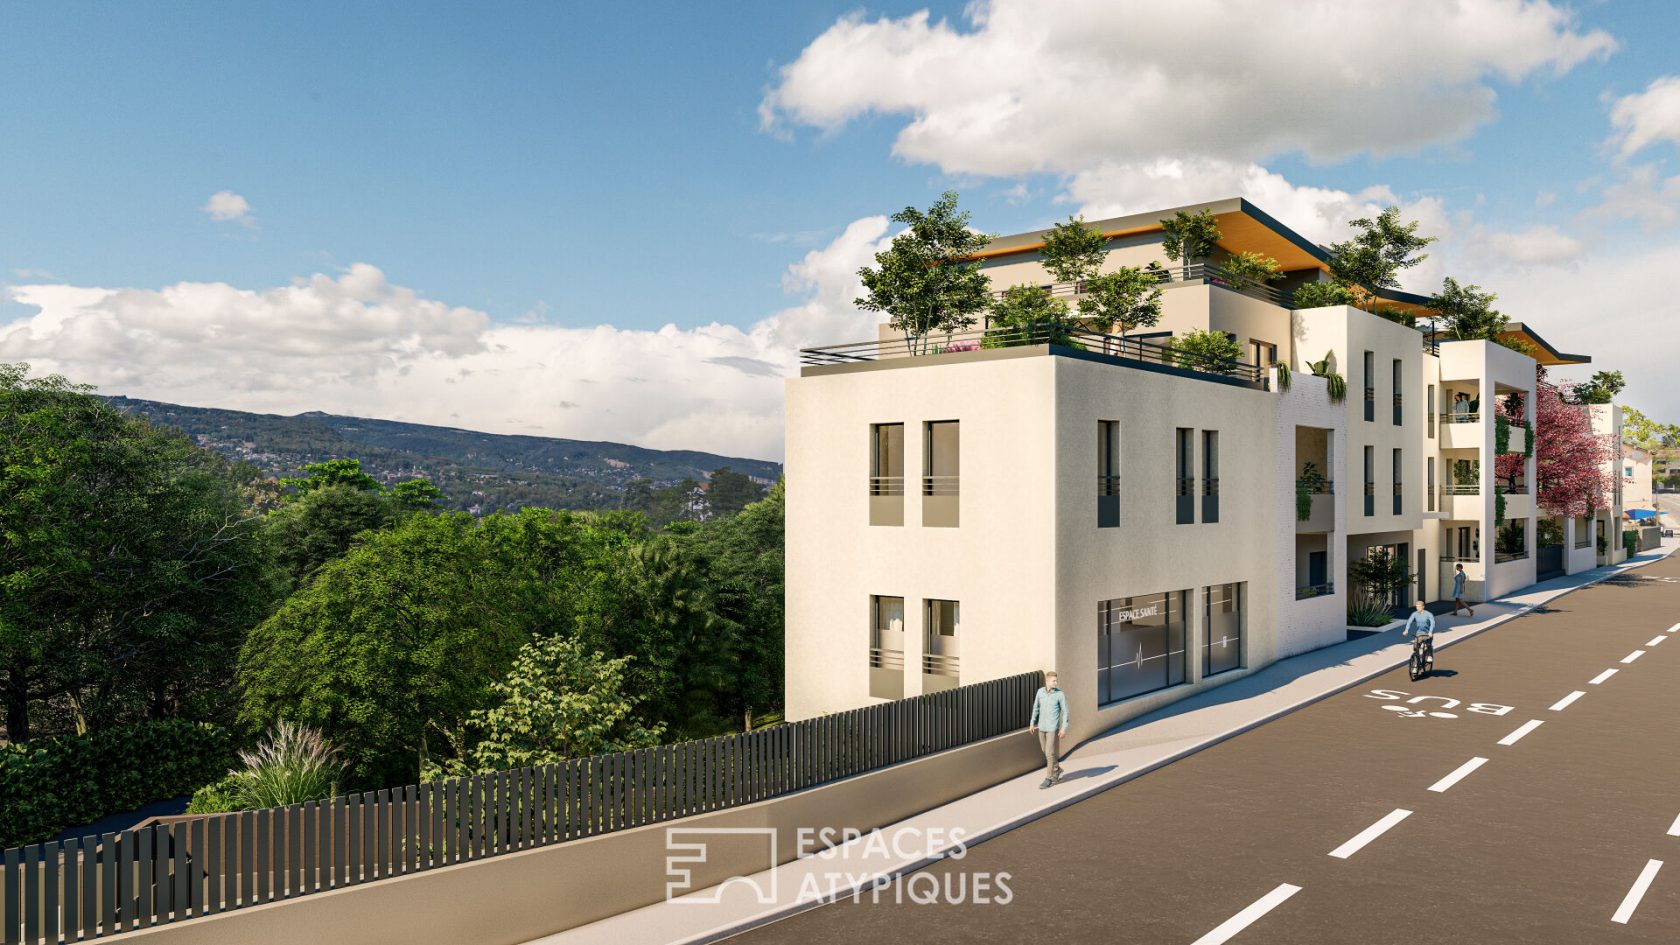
(1335, 385)
(1309, 483)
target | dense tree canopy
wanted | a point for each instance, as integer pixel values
(926, 280)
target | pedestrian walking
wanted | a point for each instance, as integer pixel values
(1458, 591)
(1050, 721)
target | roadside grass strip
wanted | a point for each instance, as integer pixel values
(1630, 902)
(1242, 920)
(1463, 771)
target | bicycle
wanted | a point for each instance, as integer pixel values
(1423, 656)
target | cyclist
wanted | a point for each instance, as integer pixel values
(1422, 622)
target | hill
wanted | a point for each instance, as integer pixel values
(481, 472)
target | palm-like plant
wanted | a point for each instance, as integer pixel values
(294, 764)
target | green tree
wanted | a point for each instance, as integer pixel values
(332, 472)
(129, 566)
(743, 565)
(416, 495)
(1209, 350)
(1026, 314)
(1074, 251)
(1248, 270)
(559, 701)
(1190, 236)
(1467, 311)
(1127, 298)
(729, 492)
(320, 525)
(927, 280)
(1374, 258)
(1601, 389)
(1320, 294)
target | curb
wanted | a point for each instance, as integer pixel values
(891, 874)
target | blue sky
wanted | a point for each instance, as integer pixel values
(446, 203)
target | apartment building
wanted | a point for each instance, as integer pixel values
(1147, 526)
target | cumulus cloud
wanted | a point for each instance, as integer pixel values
(1639, 193)
(1646, 118)
(1537, 244)
(357, 344)
(1029, 87)
(225, 206)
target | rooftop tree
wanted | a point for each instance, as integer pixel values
(1127, 298)
(1074, 251)
(1467, 311)
(1028, 314)
(1601, 389)
(1190, 236)
(928, 280)
(1374, 258)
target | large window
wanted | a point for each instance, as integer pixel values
(940, 482)
(1222, 613)
(939, 645)
(886, 474)
(1210, 475)
(1583, 531)
(886, 647)
(1186, 498)
(1140, 644)
(1108, 473)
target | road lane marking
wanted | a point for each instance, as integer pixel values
(1601, 677)
(1249, 916)
(1656, 640)
(1674, 628)
(1440, 787)
(1522, 730)
(1563, 703)
(1631, 901)
(1370, 833)
(1674, 829)
(1636, 654)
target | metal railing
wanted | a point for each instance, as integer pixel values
(1186, 485)
(1113, 346)
(1316, 487)
(1461, 418)
(935, 664)
(1211, 273)
(1315, 590)
(1501, 557)
(1520, 488)
(886, 485)
(111, 883)
(1108, 485)
(1462, 488)
(885, 659)
(1210, 486)
(940, 485)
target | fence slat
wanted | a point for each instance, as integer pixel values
(32, 892)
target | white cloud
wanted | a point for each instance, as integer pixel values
(357, 344)
(1647, 117)
(1032, 87)
(225, 206)
(1639, 193)
(1537, 244)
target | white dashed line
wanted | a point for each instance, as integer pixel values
(1524, 729)
(1563, 703)
(1655, 640)
(1631, 901)
(1457, 776)
(1674, 628)
(1674, 828)
(1601, 677)
(1636, 654)
(1247, 917)
(1370, 833)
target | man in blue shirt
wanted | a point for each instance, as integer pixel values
(1421, 622)
(1050, 721)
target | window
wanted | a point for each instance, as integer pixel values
(1429, 412)
(1583, 531)
(1108, 473)
(1429, 486)
(1222, 617)
(886, 474)
(1397, 467)
(939, 645)
(939, 474)
(1186, 498)
(1370, 366)
(1210, 475)
(1262, 353)
(1370, 481)
(886, 647)
(1140, 645)
(1397, 399)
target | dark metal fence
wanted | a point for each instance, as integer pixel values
(103, 885)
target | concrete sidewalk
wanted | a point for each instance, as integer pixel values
(1096, 765)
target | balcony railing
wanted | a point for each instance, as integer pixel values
(1461, 418)
(1108, 485)
(1210, 486)
(885, 659)
(1113, 346)
(886, 485)
(1314, 590)
(1500, 557)
(934, 664)
(939, 485)
(1462, 488)
(1210, 273)
(1520, 488)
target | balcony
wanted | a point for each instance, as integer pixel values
(1314, 590)
(1189, 274)
(940, 497)
(1461, 431)
(1462, 501)
(982, 344)
(938, 672)
(886, 673)
(1321, 504)
(886, 500)
(1518, 503)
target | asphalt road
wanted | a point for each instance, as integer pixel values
(1545, 840)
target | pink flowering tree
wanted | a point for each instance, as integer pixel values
(1569, 459)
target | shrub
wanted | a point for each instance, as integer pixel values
(1320, 294)
(217, 797)
(1368, 615)
(295, 764)
(1283, 375)
(1212, 351)
(1501, 435)
(53, 783)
